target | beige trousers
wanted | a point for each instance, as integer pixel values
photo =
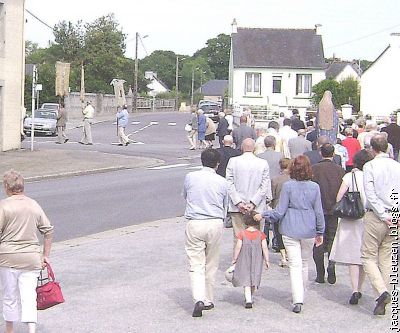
(87, 131)
(192, 138)
(202, 248)
(376, 250)
(61, 136)
(122, 138)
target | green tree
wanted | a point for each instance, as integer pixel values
(319, 89)
(201, 73)
(164, 64)
(217, 53)
(343, 92)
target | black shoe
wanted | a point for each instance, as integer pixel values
(331, 274)
(81, 142)
(319, 279)
(198, 309)
(66, 140)
(89, 144)
(354, 298)
(297, 307)
(120, 144)
(209, 306)
(58, 142)
(382, 300)
(248, 305)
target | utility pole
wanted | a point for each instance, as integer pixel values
(34, 80)
(191, 97)
(176, 83)
(135, 88)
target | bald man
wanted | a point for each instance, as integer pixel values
(249, 185)
(227, 152)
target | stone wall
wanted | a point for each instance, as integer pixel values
(106, 104)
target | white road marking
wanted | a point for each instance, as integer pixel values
(171, 166)
(131, 143)
(114, 123)
(171, 124)
(188, 157)
(135, 122)
(154, 123)
(195, 167)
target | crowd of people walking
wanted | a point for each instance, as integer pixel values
(280, 189)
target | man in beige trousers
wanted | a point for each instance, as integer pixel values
(382, 187)
(206, 197)
(88, 114)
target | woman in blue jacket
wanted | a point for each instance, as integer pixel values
(301, 223)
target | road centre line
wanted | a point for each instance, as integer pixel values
(171, 166)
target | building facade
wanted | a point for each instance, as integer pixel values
(380, 82)
(275, 68)
(12, 55)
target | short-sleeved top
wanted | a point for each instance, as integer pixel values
(20, 219)
(251, 235)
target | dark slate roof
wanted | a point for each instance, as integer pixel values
(336, 67)
(214, 88)
(277, 48)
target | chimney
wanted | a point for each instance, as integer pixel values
(318, 29)
(395, 39)
(234, 26)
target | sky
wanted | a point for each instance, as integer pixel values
(351, 29)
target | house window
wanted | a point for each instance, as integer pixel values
(277, 84)
(253, 83)
(303, 84)
(2, 29)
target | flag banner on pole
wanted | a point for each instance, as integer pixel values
(119, 91)
(82, 95)
(62, 78)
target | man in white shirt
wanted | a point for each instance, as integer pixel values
(206, 205)
(382, 188)
(286, 133)
(88, 114)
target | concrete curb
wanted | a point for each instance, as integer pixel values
(80, 241)
(90, 171)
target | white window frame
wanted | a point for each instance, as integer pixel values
(303, 84)
(252, 84)
(277, 78)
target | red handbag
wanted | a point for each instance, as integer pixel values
(49, 293)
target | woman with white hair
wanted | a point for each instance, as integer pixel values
(20, 257)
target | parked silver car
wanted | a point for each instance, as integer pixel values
(45, 122)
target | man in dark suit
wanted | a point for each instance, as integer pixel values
(242, 132)
(393, 131)
(297, 123)
(315, 155)
(329, 176)
(222, 128)
(226, 151)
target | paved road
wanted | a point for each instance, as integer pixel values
(83, 205)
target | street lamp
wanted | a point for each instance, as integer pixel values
(177, 82)
(191, 97)
(135, 83)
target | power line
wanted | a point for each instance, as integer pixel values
(362, 37)
(40, 20)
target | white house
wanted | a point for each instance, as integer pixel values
(11, 72)
(156, 86)
(275, 68)
(341, 70)
(380, 92)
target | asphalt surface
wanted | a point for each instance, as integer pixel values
(148, 189)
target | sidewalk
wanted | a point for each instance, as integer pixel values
(136, 279)
(54, 163)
